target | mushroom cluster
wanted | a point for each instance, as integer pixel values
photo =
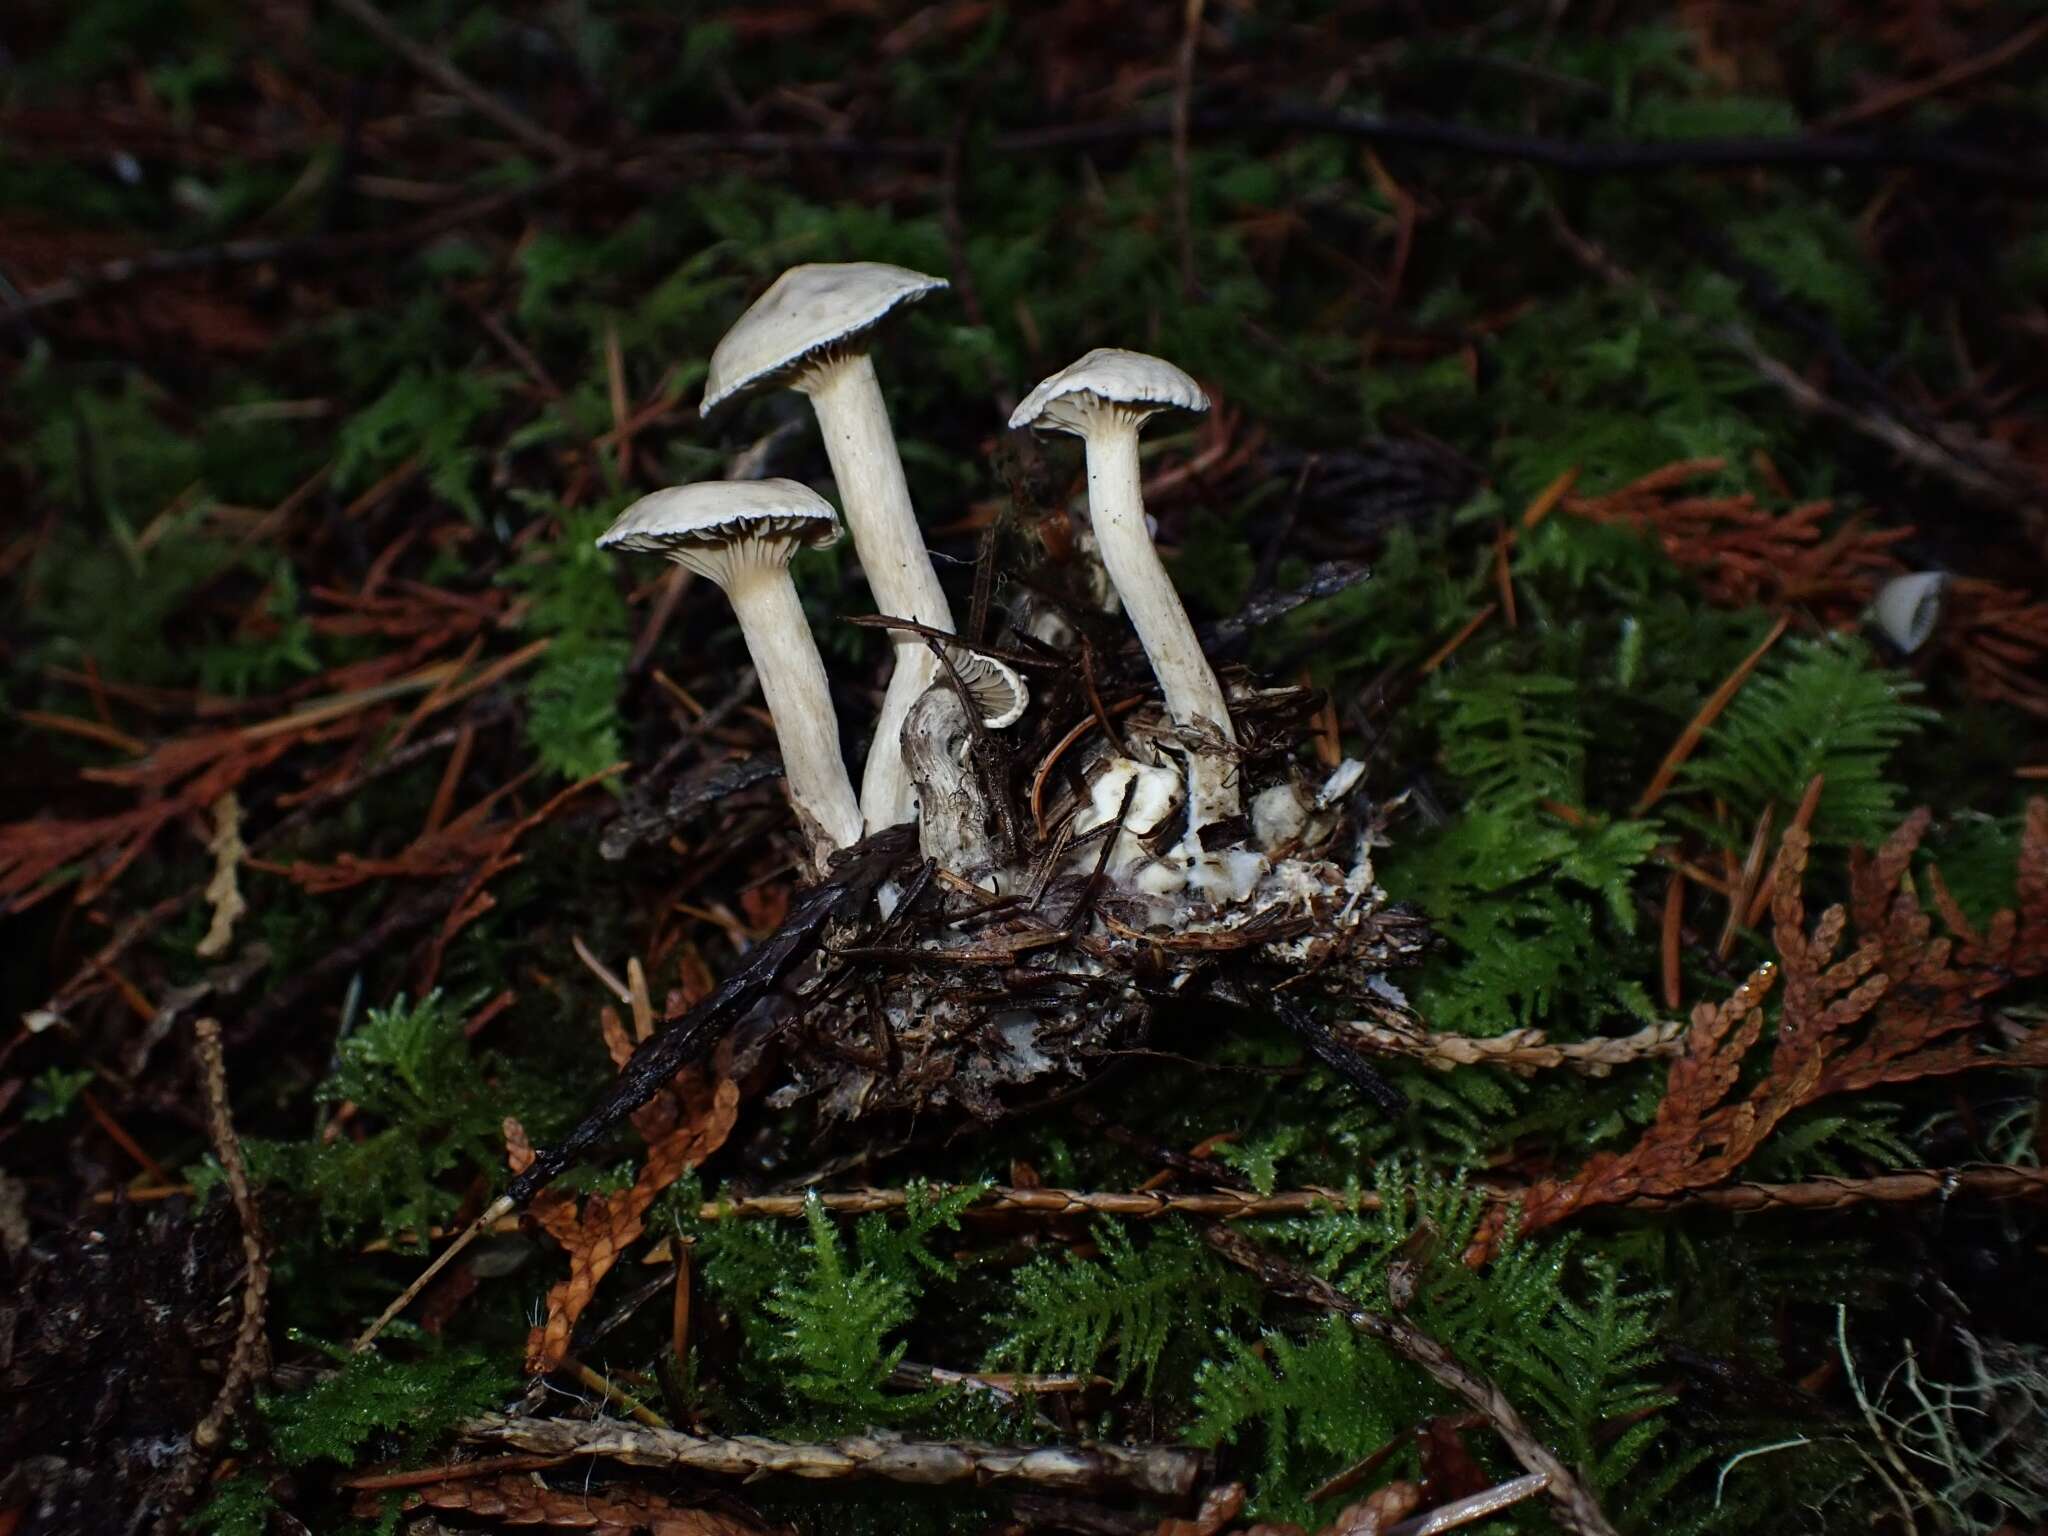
(1014, 952)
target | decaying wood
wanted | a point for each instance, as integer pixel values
(1164, 1470)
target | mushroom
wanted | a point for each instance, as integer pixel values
(1104, 399)
(998, 693)
(1908, 607)
(742, 534)
(810, 330)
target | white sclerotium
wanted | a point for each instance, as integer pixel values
(1279, 817)
(1285, 817)
(1155, 794)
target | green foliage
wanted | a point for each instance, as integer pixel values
(432, 415)
(573, 711)
(1513, 739)
(831, 1323)
(820, 1318)
(1565, 1337)
(1608, 385)
(371, 1396)
(240, 1506)
(1138, 1298)
(1315, 1403)
(409, 1070)
(1592, 1364)
(1817, 707)
(53, 1093)
(1538, 910)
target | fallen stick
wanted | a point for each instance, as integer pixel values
(1826, 1193)
(1164, 1470)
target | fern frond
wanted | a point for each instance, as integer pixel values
(1823, 707)
(1066, 1313)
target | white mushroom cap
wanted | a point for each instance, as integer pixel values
(1908, 607)
(998, 692)
(1139, 382)
(718, 528)
(808, 310)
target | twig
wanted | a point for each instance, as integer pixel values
(1793, 152)
(449, 1472)
(1789, 152)
(1576, 1507)
(1920, 449)
(448, 77)
(249, 1354)
(1996, 1181)
(617, 1396)
(1524, 1052)
(1999, 1181)
(246, 253)
(1163, 1470)
(1829, 1193)
(1958, 73)
(1474, 1506)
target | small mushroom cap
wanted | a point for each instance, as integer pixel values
(1136, 380)
(719, 527)
(1908, 607)
(998, 692)
(804, 312)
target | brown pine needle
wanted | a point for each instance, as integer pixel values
(619, 1397)
(1743, 892)
(1721, 698)
(1674, 911)
(1802, 821)
(91, 730)
(496, 1210)
(1550, 496)
(1504, 578)
(1444, 652)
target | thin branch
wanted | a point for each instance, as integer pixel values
(1923, 450)
(1163, 1470)
(659, 155)
(1831, 1193)
(448, 77)
(1523, 1052)
(244, 253)
(249, 1354)
(1812, 151)
(1474, 1506)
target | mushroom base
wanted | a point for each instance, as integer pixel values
(987, 997)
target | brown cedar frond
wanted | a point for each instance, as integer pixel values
(1904, 1003)
(682, 1127)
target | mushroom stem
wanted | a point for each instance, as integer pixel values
(799, 698)
(1194, 697)
(854, 421)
